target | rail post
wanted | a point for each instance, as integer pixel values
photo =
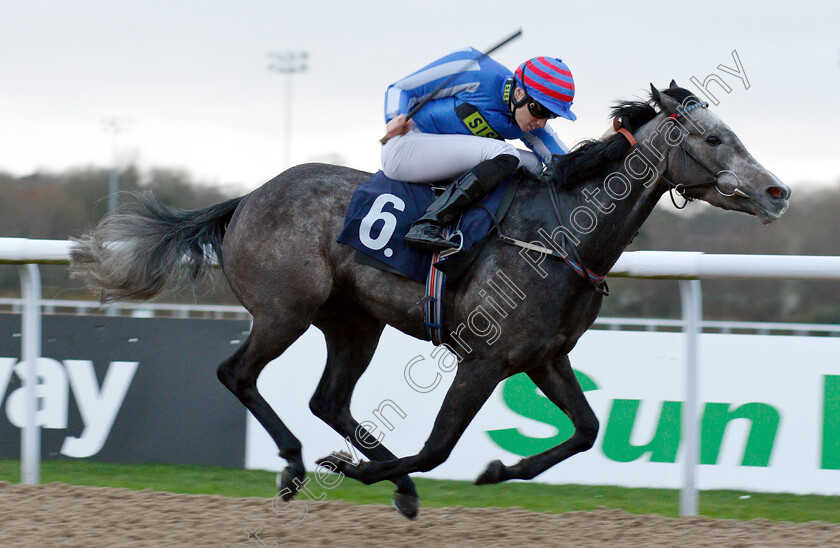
(692, 310)
(30, 446)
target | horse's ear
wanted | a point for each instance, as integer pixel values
(666, 103)
(674, 85)
(654, 94)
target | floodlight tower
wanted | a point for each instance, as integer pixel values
(288, 62)
(114, 125)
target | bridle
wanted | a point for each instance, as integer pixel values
(680, 188)
(569, 253)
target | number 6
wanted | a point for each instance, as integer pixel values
(376, 213)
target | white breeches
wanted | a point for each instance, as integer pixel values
(419, 157)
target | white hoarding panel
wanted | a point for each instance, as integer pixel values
(769, 408)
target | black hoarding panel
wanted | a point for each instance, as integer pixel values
(127, 390)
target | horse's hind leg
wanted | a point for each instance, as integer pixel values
(557, 381)
(350, 347)
(473, 384)
(239, 374)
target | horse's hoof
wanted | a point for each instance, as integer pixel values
(334, 462)
(407, 505)
(286, 484)
(494, 473)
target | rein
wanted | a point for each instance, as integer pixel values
(597, 282)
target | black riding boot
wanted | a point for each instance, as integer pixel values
(457, 198)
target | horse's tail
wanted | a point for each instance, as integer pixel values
(145, 245)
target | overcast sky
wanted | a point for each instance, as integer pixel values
(192, 76)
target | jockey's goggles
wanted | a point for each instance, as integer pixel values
(539, 111)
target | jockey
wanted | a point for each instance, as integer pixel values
(464, 129)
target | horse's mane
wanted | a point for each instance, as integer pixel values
(589, 157)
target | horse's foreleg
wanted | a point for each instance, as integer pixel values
(239, 374)
(470, 389)
(350, 347)
(557, 381)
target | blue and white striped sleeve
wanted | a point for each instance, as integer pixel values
(544, 142)
(401, 96)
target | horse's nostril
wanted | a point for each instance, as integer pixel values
(776, 192)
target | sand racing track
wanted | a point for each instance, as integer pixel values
(71, 516)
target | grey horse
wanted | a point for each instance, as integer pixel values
(540, 280)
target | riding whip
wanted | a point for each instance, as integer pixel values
(452, 77)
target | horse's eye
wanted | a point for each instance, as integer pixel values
(713, 140)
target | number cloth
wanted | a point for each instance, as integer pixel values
(382, 210)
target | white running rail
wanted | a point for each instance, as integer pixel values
(688, 267)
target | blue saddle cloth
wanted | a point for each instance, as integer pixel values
(382, 210)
